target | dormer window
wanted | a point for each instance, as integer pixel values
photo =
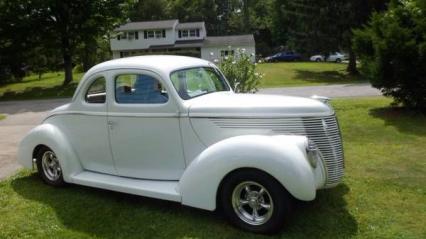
(128, 35)
(185, 33)
(151, 34)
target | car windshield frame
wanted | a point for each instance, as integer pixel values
(221, 77)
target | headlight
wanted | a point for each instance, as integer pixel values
(313, 153)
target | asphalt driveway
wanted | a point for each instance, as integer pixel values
(332, 91)
(22, 116)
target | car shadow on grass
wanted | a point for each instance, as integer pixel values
(107, 214)
(405, 120)
(327, 77)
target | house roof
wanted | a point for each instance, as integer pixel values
(147, 25)
(189, 25)
(238, 40)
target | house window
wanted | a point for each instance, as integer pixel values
(189, 33)
(158, 34)
(150, 34)
(128, 35)
(224, 53)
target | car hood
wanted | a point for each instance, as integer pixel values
(229, 104)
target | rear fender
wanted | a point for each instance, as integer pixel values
(52, 137)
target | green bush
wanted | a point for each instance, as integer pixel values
(392, 50)
(78, 69)
(241, 72)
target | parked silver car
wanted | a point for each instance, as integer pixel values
(332, 57)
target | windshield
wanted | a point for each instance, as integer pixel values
(193, 82)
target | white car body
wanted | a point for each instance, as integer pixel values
(333, 57)
(317, 58)
(336, 57)
(181, 150)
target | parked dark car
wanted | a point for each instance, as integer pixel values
(284, 56)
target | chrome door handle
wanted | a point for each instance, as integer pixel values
(111, 124)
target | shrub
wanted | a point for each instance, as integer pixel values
(392, 50)
(241, 72)
(78, 68)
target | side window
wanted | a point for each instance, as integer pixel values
(139, 89)
(96, 94)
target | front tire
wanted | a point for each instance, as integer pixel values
(48, 167)
(255, 201)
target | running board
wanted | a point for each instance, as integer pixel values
(167, 190)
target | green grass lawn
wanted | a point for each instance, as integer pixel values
(383, 194)
(305, 74)
(50, 86)
(2, 116)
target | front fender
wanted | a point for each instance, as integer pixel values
(283, 157)
(52, 137)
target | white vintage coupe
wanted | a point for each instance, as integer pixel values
(170, 127)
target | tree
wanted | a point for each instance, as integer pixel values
(70, 23)
(321, 26)
(15, 44)
(196, 10)
(150, 10)
(392, 49)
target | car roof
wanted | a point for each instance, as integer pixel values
(160, 63)
(163, 64)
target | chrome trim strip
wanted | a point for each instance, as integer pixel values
(257, 116)
(116, 114)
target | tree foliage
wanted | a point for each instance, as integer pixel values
(29, 28)
(392, 49)
(40, 35)
(322, 26)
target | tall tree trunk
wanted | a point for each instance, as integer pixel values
(68, 69)
(246, 17)
(351, 69)
(66, 51)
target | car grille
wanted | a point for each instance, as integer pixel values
(324, 131)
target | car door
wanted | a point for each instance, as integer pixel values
(86, 126)
(144, 127)
(286, 56)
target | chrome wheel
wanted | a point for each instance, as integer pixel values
(252, 203)
(50, 164)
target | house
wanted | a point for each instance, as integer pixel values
(173, 37)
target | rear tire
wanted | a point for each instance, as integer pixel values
(318, 60)
(48, 167)
(338, 60)
(255, 201)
